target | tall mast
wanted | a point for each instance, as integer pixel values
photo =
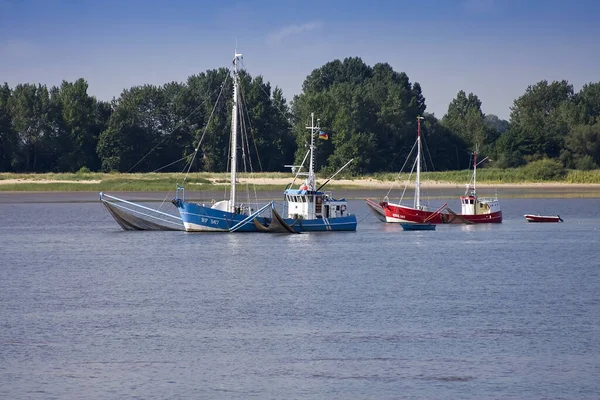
(475, 171)
(234, 123)
(311, 173)
(471, 188)
(418, 181)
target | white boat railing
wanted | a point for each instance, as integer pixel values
(133, 216)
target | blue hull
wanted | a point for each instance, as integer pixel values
(409, 226)
(199, 218)
(339, 224)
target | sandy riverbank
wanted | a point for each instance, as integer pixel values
(367, 184)
(355, 190)
(376, 184)
(43, 181)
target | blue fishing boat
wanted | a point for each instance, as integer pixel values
(225, 215)
(307, 209)
(416, 226)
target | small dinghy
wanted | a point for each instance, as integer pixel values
(415, 226)
(543, 218)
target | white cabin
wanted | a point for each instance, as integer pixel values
(307, 204)
(472, 205)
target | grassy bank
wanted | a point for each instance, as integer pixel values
(137, 182)
(205, 181)
(503, 176)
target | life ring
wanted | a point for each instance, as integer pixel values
(304, 187)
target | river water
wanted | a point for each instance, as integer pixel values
(505, 311)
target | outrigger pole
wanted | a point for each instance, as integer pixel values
(332, 176)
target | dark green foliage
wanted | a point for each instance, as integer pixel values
(585, 163)
(539, 119)
(352, 70)
(443, 150)
(81, 120)
(587, 104)
(208, 94)
(9, 141)
(493, 122)
(270, 143)
(582, 147)
(165, 124)
(50, 130)
(370, 114)
(36, 129)
(545, 170)
(509, 159)
(551, 121)
(466, 120)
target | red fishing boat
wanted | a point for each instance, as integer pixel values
(543, 218)
(474, 209)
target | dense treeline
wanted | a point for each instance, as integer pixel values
(370, 114)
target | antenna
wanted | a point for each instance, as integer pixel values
(236, 54)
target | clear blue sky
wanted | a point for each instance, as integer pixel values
(493, 48)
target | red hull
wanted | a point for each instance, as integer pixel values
(399, 213)
(543, 218)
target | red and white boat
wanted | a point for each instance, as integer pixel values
(474, 209)
(543, 218)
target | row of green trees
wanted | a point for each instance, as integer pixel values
(369, 112)
(50, 130)
(147, 128)
(151, 127)
(552, 121)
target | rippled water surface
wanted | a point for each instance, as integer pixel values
(507, 311)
